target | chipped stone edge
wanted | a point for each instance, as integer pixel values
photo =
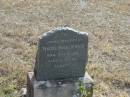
(88, 79)
(62, 28)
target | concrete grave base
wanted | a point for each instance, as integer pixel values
(58, 88)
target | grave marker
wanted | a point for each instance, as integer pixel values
(62, 54)
(60, 66)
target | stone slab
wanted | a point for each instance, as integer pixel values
(57, 88)
(62, 53)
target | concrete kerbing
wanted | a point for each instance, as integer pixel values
(54, 88)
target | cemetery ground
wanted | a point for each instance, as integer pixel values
(106, 21)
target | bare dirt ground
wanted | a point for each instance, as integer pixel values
(106, 21)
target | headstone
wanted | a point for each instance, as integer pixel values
(60, 66)
(62, 54)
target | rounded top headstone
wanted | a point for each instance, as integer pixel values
(62, 54)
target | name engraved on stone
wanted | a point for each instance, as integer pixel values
(65, 47)
(65, 41)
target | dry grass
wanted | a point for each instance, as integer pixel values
(106, 21)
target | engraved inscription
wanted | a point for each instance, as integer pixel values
(65, 47)
(76, 39)
(62, 55)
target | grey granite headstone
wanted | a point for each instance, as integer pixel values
(62, 54)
